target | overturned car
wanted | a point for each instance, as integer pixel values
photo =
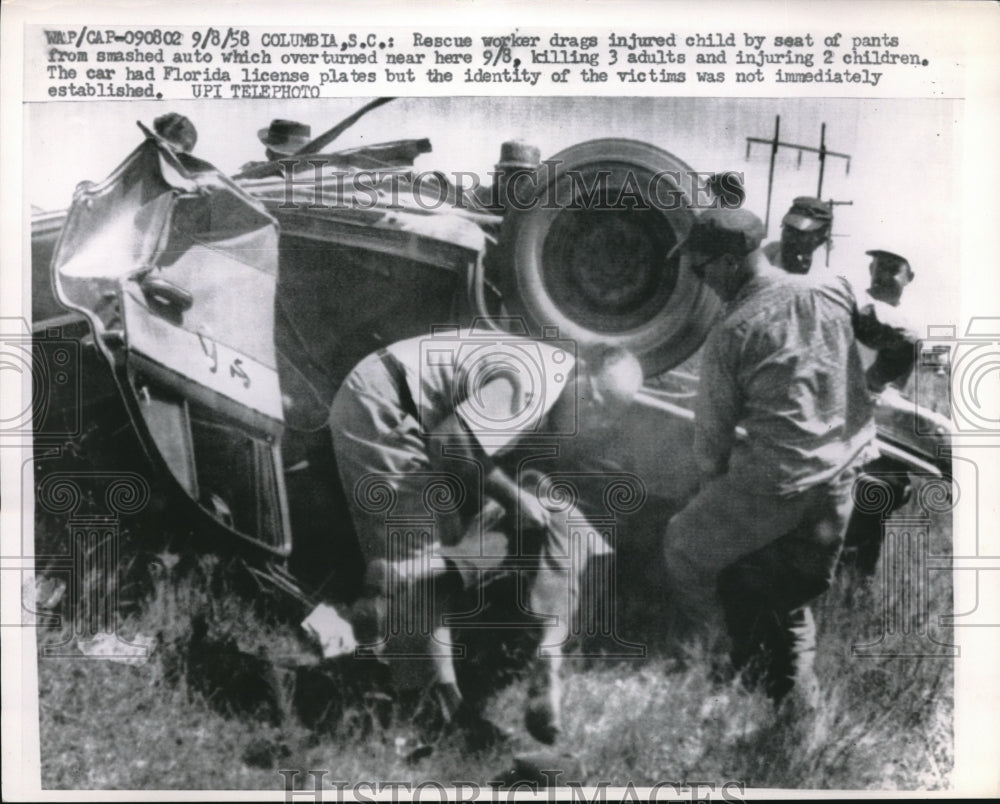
(217, 317)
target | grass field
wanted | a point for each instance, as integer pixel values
(886, 722)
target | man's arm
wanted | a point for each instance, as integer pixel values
(498, 484)
(891, 366)
(717, 409)
(885, 329)
(882, 328)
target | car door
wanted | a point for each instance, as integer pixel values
(176, 269)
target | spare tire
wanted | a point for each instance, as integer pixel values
(588, 253)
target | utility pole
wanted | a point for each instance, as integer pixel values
(775, 142)
(829, 240)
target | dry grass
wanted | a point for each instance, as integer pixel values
(886, 724)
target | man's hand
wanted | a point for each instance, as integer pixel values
(534, 515)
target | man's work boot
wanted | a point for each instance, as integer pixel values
(800, 714)
(799, 701)
(479, 733)
(446, 712)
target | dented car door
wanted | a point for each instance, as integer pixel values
(176, 269)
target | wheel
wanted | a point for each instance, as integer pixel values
(588, 253)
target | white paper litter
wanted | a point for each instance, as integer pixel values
(334, 634)
(40, 594)
(113, 648)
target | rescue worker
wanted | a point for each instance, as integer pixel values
(176, 130)
(761, 537)
(431, 427)
(890, 274)
(805, 227)
(282, 139)
(883, 478)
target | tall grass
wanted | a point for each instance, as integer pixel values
(886, 722)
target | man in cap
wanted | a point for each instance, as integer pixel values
(890, 274)
(886, 478)
(282, 139)
(762, 535)
(177, 131)
(432, 427)
(804, 229)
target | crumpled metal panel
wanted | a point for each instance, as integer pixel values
(196, 259)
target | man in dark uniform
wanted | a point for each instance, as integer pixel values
(426, 429)
(805, 227)
(282, 140)
(762, 536)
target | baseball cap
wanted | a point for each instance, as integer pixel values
(881, 253)
(808, 214)
(723, 231)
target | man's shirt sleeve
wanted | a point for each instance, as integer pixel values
(884, 328)
(718, 406)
